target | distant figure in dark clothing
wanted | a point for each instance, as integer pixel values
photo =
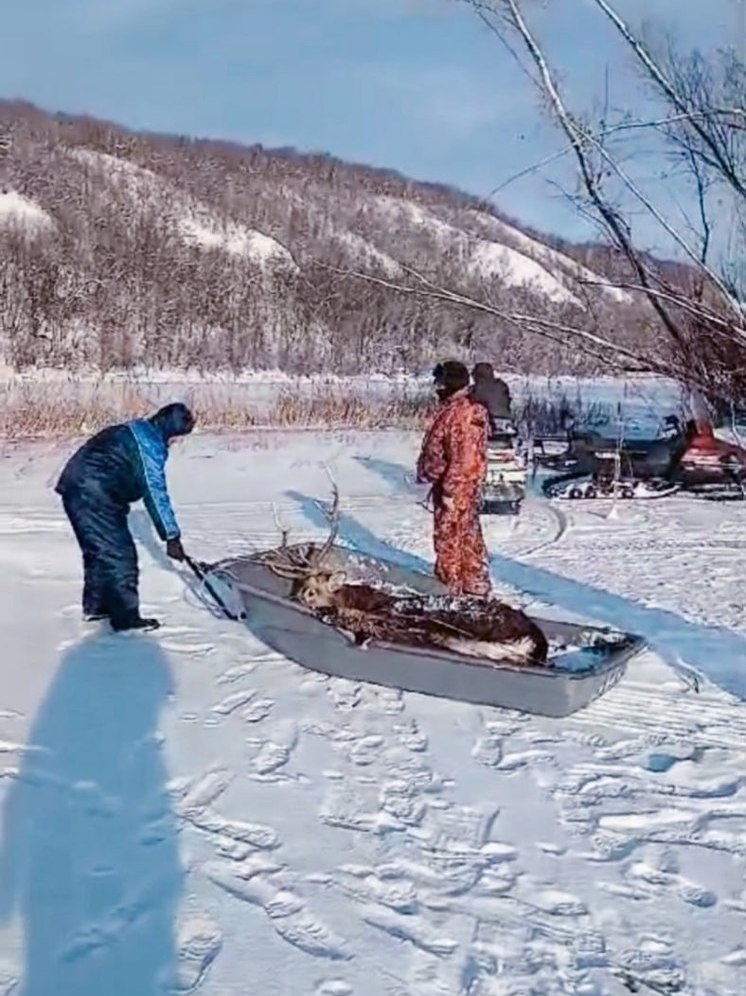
(493, 393)
(118, 466)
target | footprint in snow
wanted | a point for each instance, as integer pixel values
(233, 702)
(388, 700)
(9, 980)
(258, 835)
(345, 695)
(285, 910)
(648, 882)
(365, 886)
(548, 847)
(410, 736)
(258, 710)
(205, 790)
(233, 674)
(652, 966)
(332, 987)
(275, 752)
(198, 944)
(458, 829)
(488, 750)
(736, 958)
(411, 928)
(400, 801)
(524, 759)
(497, 881)
(350, 808)
(366, 750)
(558, 903)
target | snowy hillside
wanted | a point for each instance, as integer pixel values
(190, 813)
(197, 223)
(158, 250)
(17, 211)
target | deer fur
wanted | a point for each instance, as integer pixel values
(475, 627)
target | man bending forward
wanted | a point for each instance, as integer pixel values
(118, 466)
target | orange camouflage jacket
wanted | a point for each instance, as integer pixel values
(454, 452)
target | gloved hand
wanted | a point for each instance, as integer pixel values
(447, 503)
(175, 550)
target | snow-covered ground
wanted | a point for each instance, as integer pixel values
(186, 811)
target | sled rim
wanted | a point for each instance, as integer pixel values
(619, 652)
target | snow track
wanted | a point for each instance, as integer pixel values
(225, 812)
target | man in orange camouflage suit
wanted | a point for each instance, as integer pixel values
(454, 460)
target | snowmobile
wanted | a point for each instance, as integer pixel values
(505, 484)
(682, 457)
(712, 467)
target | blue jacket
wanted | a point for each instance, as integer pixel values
(127, 463)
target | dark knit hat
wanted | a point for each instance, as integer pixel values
(451, 376)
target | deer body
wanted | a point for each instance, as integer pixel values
(475, 627)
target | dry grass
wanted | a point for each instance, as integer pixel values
(69, 409)
(37, 410)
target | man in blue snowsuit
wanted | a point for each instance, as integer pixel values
(118, 466)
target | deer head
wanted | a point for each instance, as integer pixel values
(314, 584)
(318, 590)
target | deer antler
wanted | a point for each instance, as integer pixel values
(332, 514)
(284, 531)
(295, 564)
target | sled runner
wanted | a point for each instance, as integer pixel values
(582, 662)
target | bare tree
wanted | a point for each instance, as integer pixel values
(702, 130)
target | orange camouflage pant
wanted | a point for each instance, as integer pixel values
(461, 561)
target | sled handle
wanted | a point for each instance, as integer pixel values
(200, 569)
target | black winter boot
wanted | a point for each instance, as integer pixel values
(135, 623)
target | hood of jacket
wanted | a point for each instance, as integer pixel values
(173, 420)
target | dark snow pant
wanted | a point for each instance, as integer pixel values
(110, 571)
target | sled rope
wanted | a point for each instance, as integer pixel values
(200, 571)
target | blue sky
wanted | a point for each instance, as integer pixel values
(416, 85)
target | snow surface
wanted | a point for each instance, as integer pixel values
(237, 240)
(485, 257)
(549, 255)
(188, 812)
(16, 209)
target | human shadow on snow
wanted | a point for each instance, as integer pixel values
(395, 474)
(718, 653)
(89, 857)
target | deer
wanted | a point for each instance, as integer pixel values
(474, 627)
